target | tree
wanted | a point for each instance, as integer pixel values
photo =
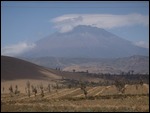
(85, 92)
(3, 89)
(42, 90)
(73, 70)
(35, 91)
(11, 90)
(83, 88)
(16, 90)
(120, 85)
(132, 72)
(28, 86)
(136, 86)
(141, 81)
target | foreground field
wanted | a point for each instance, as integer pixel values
(100, 98)
(127, 104)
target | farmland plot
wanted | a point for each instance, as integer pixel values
(100, 98)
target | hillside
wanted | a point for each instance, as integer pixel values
(138, 63)
(14, 68)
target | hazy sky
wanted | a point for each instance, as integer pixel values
(23, 23)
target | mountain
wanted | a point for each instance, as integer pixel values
(87, 42)
(138, 63)
(14, 68)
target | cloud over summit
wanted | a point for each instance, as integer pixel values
(107, 21)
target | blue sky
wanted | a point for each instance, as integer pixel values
(23, 23)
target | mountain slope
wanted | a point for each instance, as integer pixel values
(13, 68)
(140, 64)
(85, 41)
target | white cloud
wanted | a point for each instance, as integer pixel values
(107, 21)
(16, 49)
(142, 44)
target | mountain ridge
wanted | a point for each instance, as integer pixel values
(138, 63)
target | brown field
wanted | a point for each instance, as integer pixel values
(100, 98)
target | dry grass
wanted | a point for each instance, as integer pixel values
(69, 100)
(127, 104)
